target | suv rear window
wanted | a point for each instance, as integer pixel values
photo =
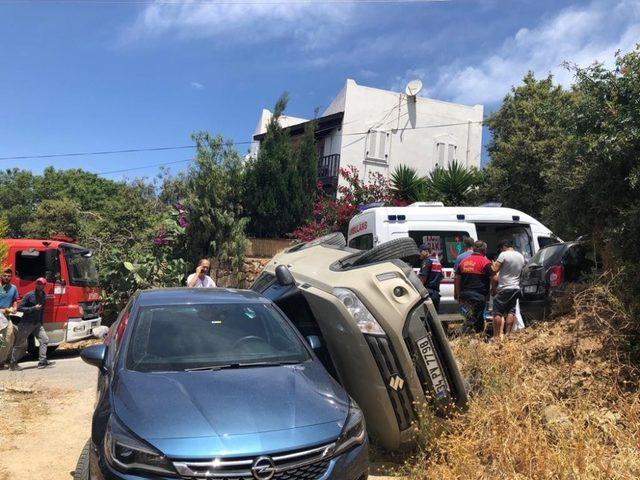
(550, 255)
(448, 244)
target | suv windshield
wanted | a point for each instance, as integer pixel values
(184, 337)
(82, 268)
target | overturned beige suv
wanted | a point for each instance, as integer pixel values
(370, 321)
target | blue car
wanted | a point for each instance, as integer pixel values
(216, 384)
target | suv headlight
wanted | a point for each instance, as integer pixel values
(126, 452)
(353, 432)
(365, 321)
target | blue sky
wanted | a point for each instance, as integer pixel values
(79, 76)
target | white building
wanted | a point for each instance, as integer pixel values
(376, 130)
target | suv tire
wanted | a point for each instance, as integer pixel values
(401, 248)
(337, 239)
(82, 467)
(334, 239)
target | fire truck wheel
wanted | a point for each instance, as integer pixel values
(403, 248)
(82, 467)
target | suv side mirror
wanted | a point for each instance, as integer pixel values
(284, 277)
(94, 355)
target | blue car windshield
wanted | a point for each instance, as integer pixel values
(185, 337)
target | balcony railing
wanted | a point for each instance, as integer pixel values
(328, 167)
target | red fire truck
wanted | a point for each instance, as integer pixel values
(74, 304)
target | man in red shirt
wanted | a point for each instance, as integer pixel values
(471, 287)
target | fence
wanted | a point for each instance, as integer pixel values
(267, 247)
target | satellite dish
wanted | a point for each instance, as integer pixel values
(413, 87)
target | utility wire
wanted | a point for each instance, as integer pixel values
(331, 128)
(123, 170)
(182, 147)
(105, 152)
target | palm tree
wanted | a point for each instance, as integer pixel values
(454, 184)
(407, 185)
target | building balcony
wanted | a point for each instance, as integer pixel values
(328, 169)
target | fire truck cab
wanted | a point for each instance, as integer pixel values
(74, 303)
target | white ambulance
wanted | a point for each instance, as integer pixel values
(444, 228)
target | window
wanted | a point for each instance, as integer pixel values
(446, 152)
(440, 149)
(362, 242)
(30, 264)
(179, 337)
(452, 153)
(447, 244)
(378, 145)
(544, 241)
(262, 282)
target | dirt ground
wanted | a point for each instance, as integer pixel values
(42, 429)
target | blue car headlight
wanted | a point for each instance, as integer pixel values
(125, 452)
(353, 432)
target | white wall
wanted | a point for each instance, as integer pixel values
(261, 127)
(411, 130)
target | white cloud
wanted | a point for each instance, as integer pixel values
(578, 34)
(244, 21)
(197, 85)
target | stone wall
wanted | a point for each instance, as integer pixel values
(251, 268)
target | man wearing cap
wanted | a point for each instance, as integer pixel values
(32, 308)
(431, 273)
(471, 287)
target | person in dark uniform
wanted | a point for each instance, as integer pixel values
(431, 274)
(472, 282)
(32, 307)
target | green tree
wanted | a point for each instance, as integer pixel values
(407, 185)
(212, 190)
(55, 217)
(17, 198)
(281, 180)
(303, 178)
(4, 249)
(268, 179)
(453, 185)
(527, 132)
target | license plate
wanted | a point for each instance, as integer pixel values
(425, 346)
(531, 289)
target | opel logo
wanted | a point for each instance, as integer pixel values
(263, 468)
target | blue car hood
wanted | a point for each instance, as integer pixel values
(248, 411)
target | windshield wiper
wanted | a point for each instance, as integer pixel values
(241, 365)
(209, 367)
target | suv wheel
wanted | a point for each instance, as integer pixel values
(402, 248)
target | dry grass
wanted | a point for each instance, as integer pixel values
(79, 345)
(557, 401)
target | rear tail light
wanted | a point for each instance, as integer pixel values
(556, 275)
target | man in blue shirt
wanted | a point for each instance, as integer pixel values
(32, 308)
(8, 304)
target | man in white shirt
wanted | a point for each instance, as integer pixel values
(506, 290)
(201, 278)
